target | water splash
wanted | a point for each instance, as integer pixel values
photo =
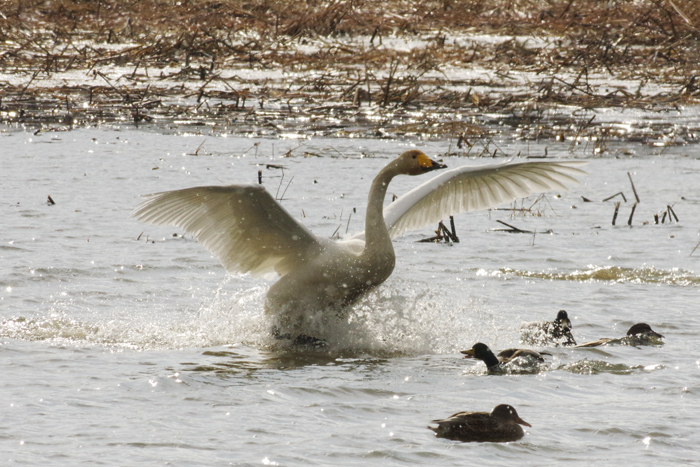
(391, 321)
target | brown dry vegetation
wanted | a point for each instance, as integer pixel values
(342, 85)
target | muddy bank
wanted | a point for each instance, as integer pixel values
(465, 70)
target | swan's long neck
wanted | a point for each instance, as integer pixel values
(377, 240)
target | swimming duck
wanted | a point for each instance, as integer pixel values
(557, 332)
(250, 232)
(496, 364)
(501, 425)
(638, 334)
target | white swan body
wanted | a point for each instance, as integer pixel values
(249, 232)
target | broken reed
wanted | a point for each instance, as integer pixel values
(669, 210)
(443, 233)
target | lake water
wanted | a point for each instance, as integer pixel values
(122, 344)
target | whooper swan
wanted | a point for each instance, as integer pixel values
(249, 232)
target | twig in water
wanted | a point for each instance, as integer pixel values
(629, 221)
(617, 208)
(196, 152)
(455, 238)
(696, 247)
(348, 224)
(286, 188)
(671, 212)
(633, 189)
(445, 233)
(619, 193)
(511, 228)
(280, 185)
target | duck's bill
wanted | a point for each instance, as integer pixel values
(468, 353)
(522, 422)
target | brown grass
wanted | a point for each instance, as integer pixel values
(650, 42)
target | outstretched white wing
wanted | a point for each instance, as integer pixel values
(242, 225)
(471, 188)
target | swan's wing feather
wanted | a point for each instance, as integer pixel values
(476, 188)
(242, 225)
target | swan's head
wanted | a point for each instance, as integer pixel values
(414, 162)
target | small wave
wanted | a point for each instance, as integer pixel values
(593, 367)
(645, 275)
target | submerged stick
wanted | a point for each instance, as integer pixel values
(445, 233)
(455, 238)
(672, 213)
(617, 208)
(629, 221)
(511, 228)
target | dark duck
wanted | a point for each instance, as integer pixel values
(639, 334)
(498, 363)
(557, 332)
(499, 426)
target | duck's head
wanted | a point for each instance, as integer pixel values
(414, 162)
(506, 414)
(563, 320)
(482, 352)
(644, 329)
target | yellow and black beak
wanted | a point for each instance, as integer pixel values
(427, 164)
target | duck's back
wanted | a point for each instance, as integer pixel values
(477, 426)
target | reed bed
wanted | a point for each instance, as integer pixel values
(463, 69)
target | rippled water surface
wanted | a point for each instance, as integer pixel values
(128, 344)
